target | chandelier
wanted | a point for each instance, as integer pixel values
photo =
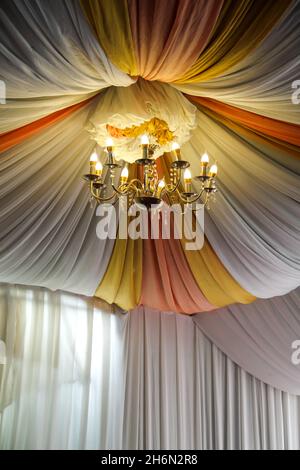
(148, 190)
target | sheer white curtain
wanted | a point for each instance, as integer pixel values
(79, 376)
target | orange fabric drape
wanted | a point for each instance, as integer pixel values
(284, 131)
(284, 150)
(12, 138)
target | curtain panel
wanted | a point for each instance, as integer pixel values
(80, 376)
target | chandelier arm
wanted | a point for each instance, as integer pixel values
(190, 201)
(98, 198)
(129, 186)
(135, 180)
(172, 189)
(103, 199)
(118, 192)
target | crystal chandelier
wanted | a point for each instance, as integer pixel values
(149, 190)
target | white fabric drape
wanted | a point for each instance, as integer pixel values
(80, 377)
(2, 352)
(262, 82)
(254, 226)
(48, 53)
(47, 227)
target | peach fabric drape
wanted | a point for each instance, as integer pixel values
(168, 283)
(170, 35)
(210, 275)
(241, 27)
(281, 130)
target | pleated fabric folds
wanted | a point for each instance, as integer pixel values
(229, 71)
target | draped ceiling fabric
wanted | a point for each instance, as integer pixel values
(71, 67)
(127, 107)
(260, 337)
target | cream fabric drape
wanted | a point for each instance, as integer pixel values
(126, 107)
(79, 377)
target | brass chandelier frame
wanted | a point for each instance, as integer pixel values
(150, 191)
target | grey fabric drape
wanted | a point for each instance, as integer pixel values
(259, 337)
(78, 376)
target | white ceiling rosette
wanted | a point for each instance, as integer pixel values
(136, 105)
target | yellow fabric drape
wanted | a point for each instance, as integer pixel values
(241, 27)
(214, 280)
(110, 21)
(122, 281)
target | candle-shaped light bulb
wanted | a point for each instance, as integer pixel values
(98, 169)
(144, 140)
(93, 161)
(124, 175)
(160, 187)
(205, 158)
(204, 163)
(145, 145)
(213, 171)
(176, 149)
(187, 176)
(109, 143)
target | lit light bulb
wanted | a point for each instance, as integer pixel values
(145, 145)
(93, 160)
(98, 169)
(176, 149)
(144, 140)
(160, 187)
(204, 163)
(124, 175)
(213, 170)
(175, 146)
(109, 142)
(187, 176)
(205, 158)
